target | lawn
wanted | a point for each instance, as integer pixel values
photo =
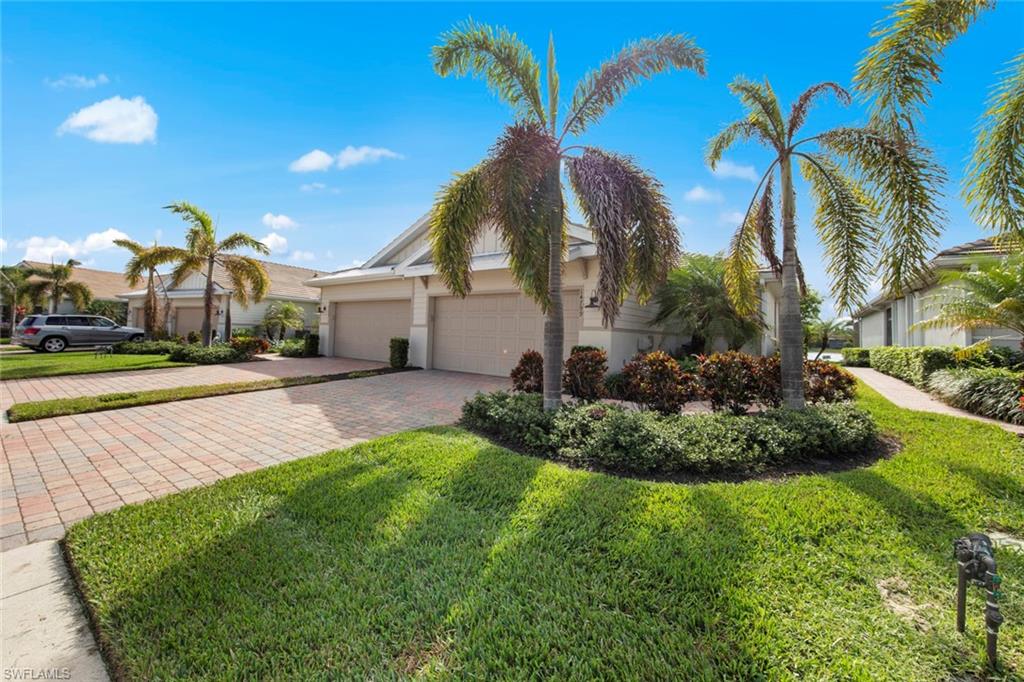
(29, 365)
(435, 553)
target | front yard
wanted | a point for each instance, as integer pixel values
(434, 552)
(30, 365)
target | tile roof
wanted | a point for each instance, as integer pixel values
(286, 281)
(104, 284)
(975, 248)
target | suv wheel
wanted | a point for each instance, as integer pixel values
(54, 344)
(136, 338)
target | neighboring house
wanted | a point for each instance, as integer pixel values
(397, 293)
(104, 285)
(186, 301)
(887, 321)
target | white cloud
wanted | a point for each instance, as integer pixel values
(3, 244)
(732, 218)
(275, 242)
(312, 187)
(728, 169)
(55, 248)
(114, 120)
(73, 80)
(316, 160)
(701, 193)
(302, 256)
(354, 156)
(279, 222)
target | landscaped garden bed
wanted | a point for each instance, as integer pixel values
(436, 553)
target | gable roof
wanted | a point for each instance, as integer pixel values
(104, 284)
(286, 282)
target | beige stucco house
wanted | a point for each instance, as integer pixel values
(887, 321)
(397, 292)
(186, 301)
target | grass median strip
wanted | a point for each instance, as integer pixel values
(32, 365)
(43, 409)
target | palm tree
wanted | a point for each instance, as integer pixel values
(897, 75)
(823, 331)
(14, 291)
(694, 300)
(989, 294)
(281, 316)
(144, 262)
(518, 187)
(54, 282)
(202, 253)
(869, 188)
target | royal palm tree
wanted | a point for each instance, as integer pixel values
(897, 75)
(203, 252)
(14, 292)
(54, 283)
(988, 294)
(282, 316)
(518, 189)
(868, 189)
(144, 263)
(695, 301)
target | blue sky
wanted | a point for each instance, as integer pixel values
(111, 111)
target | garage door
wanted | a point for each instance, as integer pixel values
(487, 333)
(364, 329)
(188, 320)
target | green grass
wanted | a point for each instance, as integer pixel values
(29, 365)
(433, 552)
(43, 409)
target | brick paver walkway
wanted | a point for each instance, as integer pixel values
(46, 388)
(904, 395)
(64, 469)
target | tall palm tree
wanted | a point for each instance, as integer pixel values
(518, 186)
(989, 294)
(203, 252)
(54, 283)
(897, 75)
(14, 292)
(694, 299)
(820, 332)
(282, 316)
(144, 262)
(869, 189)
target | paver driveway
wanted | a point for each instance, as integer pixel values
(64, 469)
(46, 388)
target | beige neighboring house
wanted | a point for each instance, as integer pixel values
(397, 293)
(104, 285)
(887, 321)
(186, 301)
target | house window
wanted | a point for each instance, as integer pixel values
(888, 326)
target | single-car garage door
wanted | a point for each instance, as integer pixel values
(189, 320)
(487, 333)
(363, 329)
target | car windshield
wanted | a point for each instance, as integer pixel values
(27, 321)
(102, 322)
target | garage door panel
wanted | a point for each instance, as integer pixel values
(488, 333)
(364, 329)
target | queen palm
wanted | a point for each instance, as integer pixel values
(518, 189)
(14, 292)
(869, 189)
(282, 316)
(144, 262)
(54, 283)
(203, 252)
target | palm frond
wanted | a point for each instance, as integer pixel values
(241, 240)
(994, 184)
(765, 220)
(552, 86)
(460, 211)
(193, 215)
(737, 131)
(79, 293)
(248, 278)
(601, 88)
(741, 277)
(132, 246)
(497, 56)
(798, 114)
(763, 107)
(186, 266)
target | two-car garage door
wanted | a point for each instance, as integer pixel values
(487, 333)
(364, 329)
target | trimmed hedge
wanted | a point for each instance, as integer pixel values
(990, 392)
(857, 357)
(914, 364)
(291, 348)
(399, 352)
(146, 347)
(646, 442)
(216, 354)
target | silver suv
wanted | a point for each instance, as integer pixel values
(54, 333)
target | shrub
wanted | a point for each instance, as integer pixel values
(990, 392)
(517, 419)
(310, 345)
(207, 355)
(616, 386)
(291, 348)
(399, 352)
(581, 348)
(730, 381)
(528, 375)
(825, 382)
(825, 431)
(655, 382)
(194, 337)
(915, 364)
(241, 333)
(248, 346)
(145, 347)
(857, 357)
(583, 377)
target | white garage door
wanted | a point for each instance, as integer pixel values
(487, 333)
(363, 329)
(190, 320)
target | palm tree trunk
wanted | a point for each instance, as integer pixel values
(227, 321)
(208, 304)
(150, 307)
(554, 322)
(791, 331)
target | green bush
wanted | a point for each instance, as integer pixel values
(194, 337)
(145, 347)
(990, 392)
(518, 419)
(616, 386)
(914, 364)
(207, 355)
(399, 352)
(249, 346)
(857, 357)
(291, 348)
(310, 345)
